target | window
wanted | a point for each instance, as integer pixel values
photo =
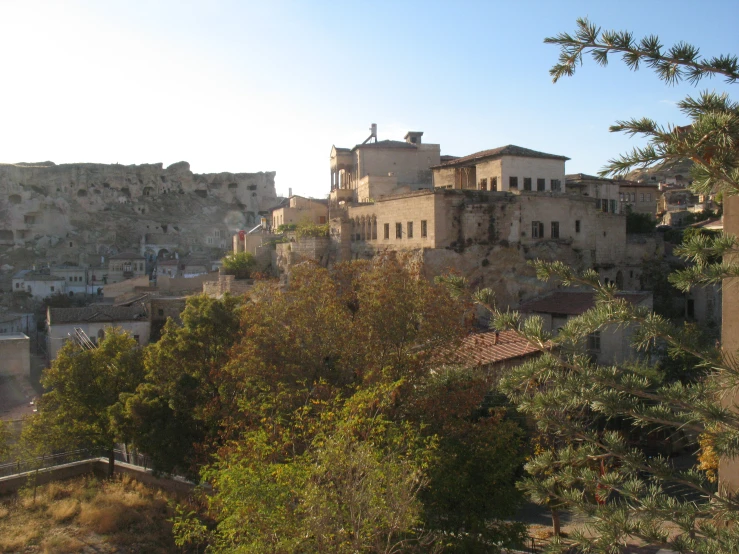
(649, 197)
(537, 229)
(613, 206)
(410, 230)
(29, 219)
(52, 288)
(70, 245)
(633, 197)
(493, 183)
(556, 185)
(555, 229)
(513, 182)
(604, 205)
(160, 311)
(374, 229)
(621, 196)
(484, 184)
(541, 184)
(321, 219)
(641, 197)
(594, 341)
(136, 338)
(527, 183)
(398, 230)
(577, 225)
(387, 231)
(424, 229)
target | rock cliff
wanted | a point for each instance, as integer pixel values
(79, 212)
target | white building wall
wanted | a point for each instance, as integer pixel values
(60, 333)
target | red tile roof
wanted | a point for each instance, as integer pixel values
(479, 349)
(573, 302)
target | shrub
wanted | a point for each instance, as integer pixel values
(312, 230)
(239, 264)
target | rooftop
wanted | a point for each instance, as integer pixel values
(127, 256)
(568, 302)
(96, 313)
(480, 349)
(508, 150)
(36, 275)
(386, 144)
(14, 336)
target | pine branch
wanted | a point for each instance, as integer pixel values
(673, 65)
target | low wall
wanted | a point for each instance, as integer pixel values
(99, 468)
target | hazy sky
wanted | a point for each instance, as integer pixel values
(272, 85)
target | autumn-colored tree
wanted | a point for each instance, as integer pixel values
(84, 391)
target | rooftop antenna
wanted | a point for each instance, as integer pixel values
(373, 134)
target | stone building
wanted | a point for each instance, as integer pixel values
(612, 344)
(76, 276)
(39, 284)
(640, 198)
(94, 320)
(126, 265)
(506, 169)
(298, 209)
(378, 168)
(605, 191)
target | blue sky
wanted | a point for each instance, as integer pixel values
(271, 85)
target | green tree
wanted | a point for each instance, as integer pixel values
(240, 264)
(177, 410)
(84, 391)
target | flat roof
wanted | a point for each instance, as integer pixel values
(13, 336)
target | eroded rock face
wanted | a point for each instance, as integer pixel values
(76, 212)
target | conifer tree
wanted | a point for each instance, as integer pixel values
(597, 416)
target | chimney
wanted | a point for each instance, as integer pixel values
(413, 137)
(497, 337)
(290, 192)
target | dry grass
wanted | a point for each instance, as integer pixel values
(87, 515)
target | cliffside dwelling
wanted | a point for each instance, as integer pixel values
(126, 265)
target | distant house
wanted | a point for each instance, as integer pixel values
(610, 345)
(94, 320)
(126, 265)
(15, 355)
(39, 284)
(76, 276)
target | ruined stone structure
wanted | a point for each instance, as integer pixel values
(81, 212)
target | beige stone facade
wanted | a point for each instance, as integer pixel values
(127, 265)
(375, 169)
(641, 198)
(506, 169)
(300, 210)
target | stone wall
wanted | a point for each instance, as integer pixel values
(15, 355)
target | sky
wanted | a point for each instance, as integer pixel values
(271, 85)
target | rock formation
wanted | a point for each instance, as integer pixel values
(79, 212)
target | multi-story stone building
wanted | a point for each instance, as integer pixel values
(640, 198)
(298, 209)
(374, 169)
(39, 284)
